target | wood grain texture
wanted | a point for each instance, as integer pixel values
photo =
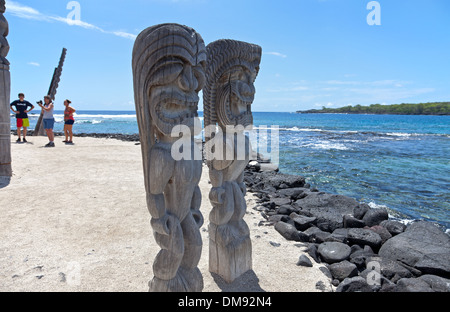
(232, 67)
(5, 122)
(39, 130)
(5, 90)
(167, 61)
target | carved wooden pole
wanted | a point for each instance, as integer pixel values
(39, 129)
(168, 71)
(232, 67)
(5, 89)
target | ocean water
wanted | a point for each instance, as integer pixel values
(393, 161)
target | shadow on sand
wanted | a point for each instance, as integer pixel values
(4, 182)
(248, 282)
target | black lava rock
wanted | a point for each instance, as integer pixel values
(342, 270)
(364, 237)
(423, 246)
(304, 261)
(375, 216)
(332, 252)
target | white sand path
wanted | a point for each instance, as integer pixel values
(74, 218)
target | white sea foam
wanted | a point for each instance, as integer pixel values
(327, 145)
(400, 134)
(392, 214)
(84, 121)
(103, 116)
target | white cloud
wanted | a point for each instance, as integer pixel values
(26, 12)
(34, 64)
(276, 54)
(125, 35)
(22, 11)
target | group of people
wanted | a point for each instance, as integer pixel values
(21, 108)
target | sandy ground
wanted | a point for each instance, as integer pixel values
(74, 218)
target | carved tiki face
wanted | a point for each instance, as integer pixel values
(236, 93)
(2, 6)
(175, 64)
(232, 70)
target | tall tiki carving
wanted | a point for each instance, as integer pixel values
(5, 88)
(232, 67)
(169, 70)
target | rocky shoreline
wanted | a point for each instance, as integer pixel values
(362, 248)
(117, 136)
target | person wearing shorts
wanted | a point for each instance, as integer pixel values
(21, 108)
(48, 120)
(68, 122)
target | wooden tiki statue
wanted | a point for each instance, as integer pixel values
(5, 88)
(169, 71)
(232, 67)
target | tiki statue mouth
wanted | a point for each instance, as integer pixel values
(172, 107)
(236, 98)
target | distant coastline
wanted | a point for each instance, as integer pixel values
(434, 108)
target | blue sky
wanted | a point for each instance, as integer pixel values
(315, 52)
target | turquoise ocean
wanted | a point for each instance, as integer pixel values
(394, 161)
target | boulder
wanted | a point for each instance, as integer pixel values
(342, 270)
(360, 210)
(394, 227)
(279, 180)
(354, 284)
(303, 260)
(375, 216)
(350, 221)
(268, 167)
(377, 281)
(254, 166)
(329, 209)
(332, 252)
(289, 232)
(338, 235)
(437, 283)
(302, 223)
(278, 217)
(326, 272)
(316, 235)
(382, 231)
(292, 193)
(359, 257)
(388, 268)
(280, 201)
(423, 246)
(413, 285)
(312, 251)
(286, 210)
(364, 237)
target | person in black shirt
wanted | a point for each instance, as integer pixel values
(21, 109)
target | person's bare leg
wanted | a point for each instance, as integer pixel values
(51, 136)
(69, 129)
(24, 133)
(66, 132)
(19, 132)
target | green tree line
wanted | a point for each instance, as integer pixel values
(435, 108)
